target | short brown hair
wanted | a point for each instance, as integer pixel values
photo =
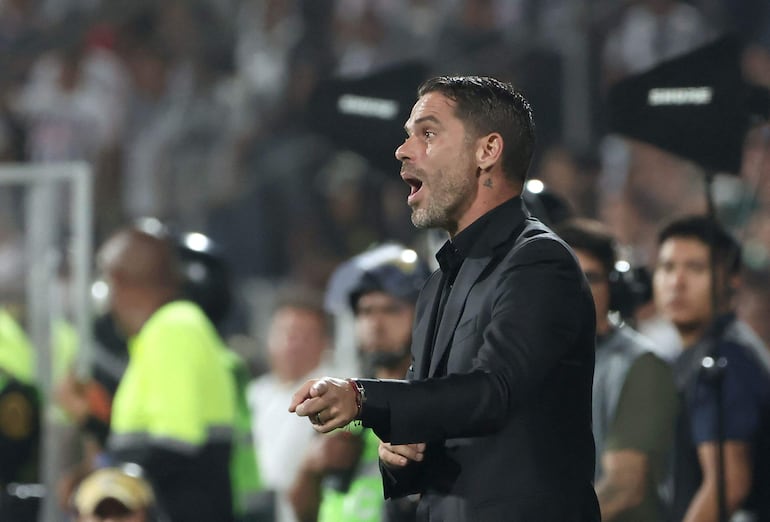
(488, 105)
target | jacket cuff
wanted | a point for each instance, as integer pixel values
(375, 412)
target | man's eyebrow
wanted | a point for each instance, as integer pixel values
(430, 118)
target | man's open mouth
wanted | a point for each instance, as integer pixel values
(414, 183)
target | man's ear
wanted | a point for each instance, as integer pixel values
(489, 151)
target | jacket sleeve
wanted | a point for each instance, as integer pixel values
(538, 312)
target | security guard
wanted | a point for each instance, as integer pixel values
(340, 479)
(205, 281)
(19, 416)
(174, 408)
(362, 499)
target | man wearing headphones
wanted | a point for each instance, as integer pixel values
(634, 398)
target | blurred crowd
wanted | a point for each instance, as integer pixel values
(197, 113)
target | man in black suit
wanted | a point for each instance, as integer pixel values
(494, 420)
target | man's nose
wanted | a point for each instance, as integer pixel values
(675, 281)
(678, 278)
(402, 151)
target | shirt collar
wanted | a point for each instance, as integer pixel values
(449, 258)
(452, 254)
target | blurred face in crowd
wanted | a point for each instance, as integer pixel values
(141, 273)
(119, 296)
(437, 162)
(296, 341)
(682, 283)
(383, 333)
(600, 287)
(383, 323)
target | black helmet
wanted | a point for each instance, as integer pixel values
(391, 268)
(205, 275)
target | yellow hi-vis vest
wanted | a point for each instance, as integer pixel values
(17, 357)
(176, 392)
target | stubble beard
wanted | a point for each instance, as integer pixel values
(441, 209)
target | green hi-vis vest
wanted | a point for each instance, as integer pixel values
(363, 501)
(176, 392)
(244, 473)
(16, 355)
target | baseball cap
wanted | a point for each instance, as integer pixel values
(112, 483)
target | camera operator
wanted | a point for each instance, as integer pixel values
(634, 398)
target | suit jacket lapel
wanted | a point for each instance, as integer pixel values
(497, 232)
(469, 272)
(423, 328)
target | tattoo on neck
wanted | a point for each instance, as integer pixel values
(488, 183)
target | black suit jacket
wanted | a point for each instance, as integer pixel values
(503, 398)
